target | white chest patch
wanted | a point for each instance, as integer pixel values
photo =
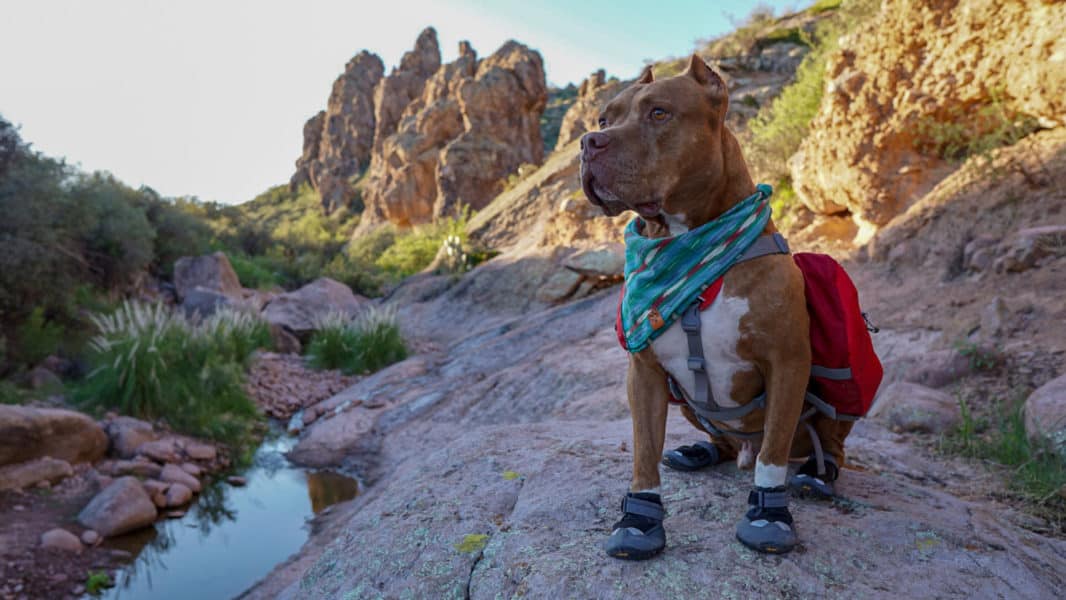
(720, 332)
(675, 223)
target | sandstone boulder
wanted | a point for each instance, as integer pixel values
(604, 260)
(61, 539)
(30, 473)
(583, 114)
(913, 67)
(178, 494)
(906, 406)
(204, 303)
(1045, 413)
(121, 507)
(299, 310)
(128, 434)
(1027, 247)
(174, 474)
(211, 272)
(27, 433)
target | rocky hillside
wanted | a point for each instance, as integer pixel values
(431, 138)
(472, 448)
(965, 76)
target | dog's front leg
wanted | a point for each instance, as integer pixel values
(648, 401)
(640, 534)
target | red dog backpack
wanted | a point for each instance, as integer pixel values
(845, 371)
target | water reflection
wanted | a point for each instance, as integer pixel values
(231, 537)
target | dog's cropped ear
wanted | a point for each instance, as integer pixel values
(647, 76)
(704, 75)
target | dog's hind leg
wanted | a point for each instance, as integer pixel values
(639, 534)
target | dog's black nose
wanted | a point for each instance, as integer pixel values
(594, 143)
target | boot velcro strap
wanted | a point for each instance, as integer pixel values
(764, 499)
(644, 508)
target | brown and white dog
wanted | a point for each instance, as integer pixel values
(664, 152)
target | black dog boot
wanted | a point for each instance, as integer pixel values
(639, 534)
(808, 483)
(767, 526)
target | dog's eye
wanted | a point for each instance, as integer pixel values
(658, 114)
(603, 122)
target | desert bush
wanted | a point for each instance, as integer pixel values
(415, 249)
(255, 272)
(972, 131)
(38, 337)
(358, 345)
(780, 126)
(152, 363)
(1035, 469)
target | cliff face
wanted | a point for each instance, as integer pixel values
(338, 140)
(912, 77)
(431, 137)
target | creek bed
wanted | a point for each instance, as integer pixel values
(230, 537)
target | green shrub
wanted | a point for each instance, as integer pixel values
(154, 364)
(414, 250)
(972, 131)
(781, 125)
(11, 393)
(357, 346)
(255, 272)
(38, 337)
(97, 582)
(1036, 470)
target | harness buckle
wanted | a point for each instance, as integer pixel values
(696, 363)
(690, 319)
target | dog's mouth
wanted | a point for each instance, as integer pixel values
(648, 210)
(596, 194)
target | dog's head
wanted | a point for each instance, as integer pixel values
(660, 146)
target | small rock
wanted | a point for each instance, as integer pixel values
(1045, 413)
(155, 487)
(175, 514)
(237, 480)
(200, 451)
(174, 474)
(912, 407)
(121, 507)
(34, 472)
(120, 554)
(178, 495)
(162, 450)
(90, 537)
(128, 434)
(61, 539)
(192, 469)
(42, 378)
(160, 500)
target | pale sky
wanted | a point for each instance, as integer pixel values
(209, 97)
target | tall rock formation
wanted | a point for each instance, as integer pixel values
(432, 137)
(475, 123)
(919, 67)
(404, 84)
(338, 141)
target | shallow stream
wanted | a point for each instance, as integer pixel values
(231, 536)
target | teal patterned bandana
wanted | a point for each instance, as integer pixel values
(663, 276)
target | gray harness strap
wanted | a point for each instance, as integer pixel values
(702, 402)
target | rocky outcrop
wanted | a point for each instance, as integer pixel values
(121, 507)
(299, 310)
(27, 433)
(404, 85)
(208, 273)
(582, 116)
(338, 141)
(912, 72)
(476, 122)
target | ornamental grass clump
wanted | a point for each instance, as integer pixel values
(153, 363)
(359, 345)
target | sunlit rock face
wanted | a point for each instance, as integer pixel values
(431, 137)
(914, 67)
